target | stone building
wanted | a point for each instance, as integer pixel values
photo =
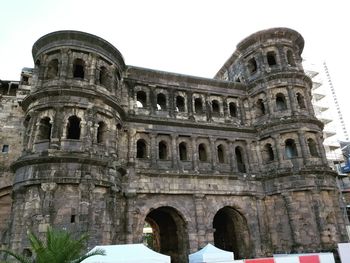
(102, 147)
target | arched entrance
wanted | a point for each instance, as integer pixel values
(231, 232)
(166, 233)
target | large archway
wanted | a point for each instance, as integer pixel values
(231, 232)
(168, 233)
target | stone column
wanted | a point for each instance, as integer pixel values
(129, 216)
(131, 146)
(321, 149)
(153, 101)
(303, 146)
(291, 96)
(64, 64)
(213, 153)
(194, 153)
(153, 150)
(175, 154)
(91, 71)
(200, 213)
(232, 157)
(278, 149)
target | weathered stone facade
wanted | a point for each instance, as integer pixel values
(236, 160)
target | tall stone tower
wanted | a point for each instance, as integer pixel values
(236, 160)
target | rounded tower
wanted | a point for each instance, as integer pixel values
(67, 175)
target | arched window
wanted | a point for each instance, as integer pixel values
(198, 105)
(233, 109)
(73, 128)
(252, 66)
(180, 103)
(202, 152)
(78, 68)
(312, 147)
(268, 154)
(215, 107)
(141, 99)
(141, 149)
(290, 58)
(52, 69)
(239, 160)
(281, 104)
(301, 101)
(101, 132)
(163, 150)
(183, 151)
(238, 79)
(104, 76)
(271, 58)
(290, 148)
(44, 129)
(221, 153)
(260, 108)
(161, 102)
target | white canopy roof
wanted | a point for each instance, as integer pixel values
(130, 253)
(211, 253)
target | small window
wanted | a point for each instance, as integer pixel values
(183, 151)
(238, 79)
(290, 58)
(198, 105)
(104, 78)
(301, 101)
(268, 155)
(221, 153)
(239, 160)
(72, 218)
(281, 104)
(260, 108)
(161, 102)
(215, 108)
(163, 150)
(101, 132)
(52, 69)
(78, 68)
(73, 128)
(44, 129)
(5, 148)
(25, 80)
(180, 104)
(141, 98)
(252, 66)
(202, 152)
(312, 147)
(233, 109)
(290, 149)
(141, 150)
(271, 58)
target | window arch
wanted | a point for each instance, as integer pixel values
(104, 76)
(141, 149)
(271, 58)
(162, 150)
(52, 69)
(73, 128)
(221, 153)
(180, 103)
(290, 58)
(78, 68)
(233, 109)
(290, 148)
(44, 129)
(281, 104)
(260, 108)
(252, 66)
(198, 105)
(161, 102)
(202, 152)
(215, 107)
(183, 151)
(239, 159)
(268, 155)
(312, 147)
(141, 99)
(301, 101)
(101, 132)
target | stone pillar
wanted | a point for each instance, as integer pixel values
(129, 216)
(64, 64)
(247, 156)
(131, 146)
(278, 148)
(213, 152)
(321, 149)
(153, 150)
(174, 152)
(232, 157)
(91, 71)
(303, 146)
(200, 213)
(194, 153)
(153, 101)
(291, 96)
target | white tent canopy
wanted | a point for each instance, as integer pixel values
(130, 253)
(210, 254)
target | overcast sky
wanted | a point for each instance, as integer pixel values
(192, 37)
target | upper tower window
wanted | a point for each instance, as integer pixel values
(312, 147)
(290, 58)
(180, 103)
(291, 148)
(52, 69)
(5, 148)
(78, 68)
(239, 160)
(268, 155)
(260, 108)
(233, 109)
(221, 153)
(202, 152)
(281, 104)
(73, 128)
(141, 149)
(141, 99)
(252, 66)
(101, 132)
(163, 150)
(161, 102)
(44, 129)
(301, 101)
(271, 58)
(183, 151)
(198, 105)
(215, 107)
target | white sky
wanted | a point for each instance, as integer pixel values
(192, 37)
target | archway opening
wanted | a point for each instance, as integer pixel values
(231, 232)
(165, 231)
